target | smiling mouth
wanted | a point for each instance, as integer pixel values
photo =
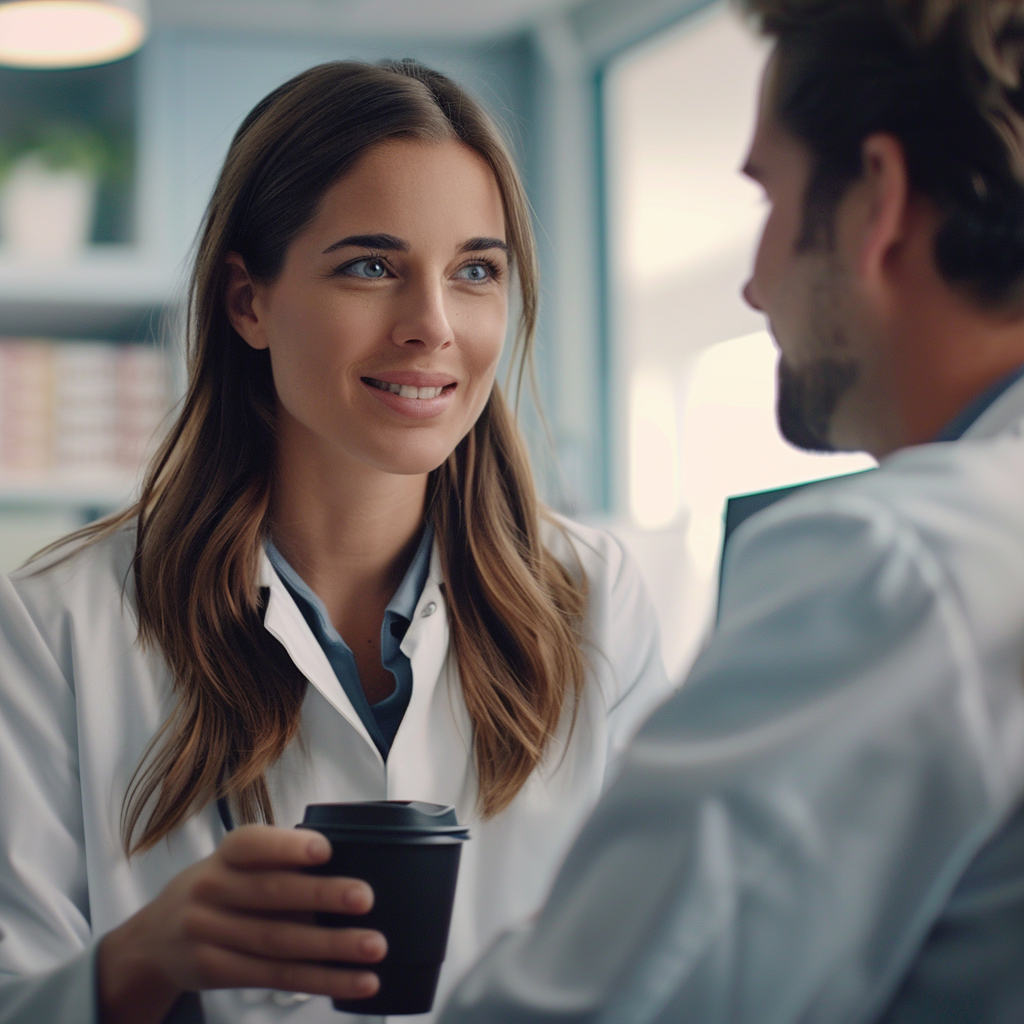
(407, 390)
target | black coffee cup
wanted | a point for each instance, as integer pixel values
(408, 852)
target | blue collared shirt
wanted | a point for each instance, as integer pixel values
(383, 718)
(966, 418)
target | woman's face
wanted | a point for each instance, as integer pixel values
(386, 322)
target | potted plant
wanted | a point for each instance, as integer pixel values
(48, 181)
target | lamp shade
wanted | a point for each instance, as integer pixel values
(70, 33)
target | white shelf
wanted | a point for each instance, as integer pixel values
(101, 493)
(116, 292)
(104, 274)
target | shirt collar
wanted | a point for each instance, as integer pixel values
(405, 598)
(973, 411)
(408, 593)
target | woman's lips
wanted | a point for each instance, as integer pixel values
(407, 390)
(416, 395)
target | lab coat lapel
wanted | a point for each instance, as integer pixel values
(431, 757)
(284, 621)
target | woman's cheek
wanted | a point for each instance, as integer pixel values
(492, 340)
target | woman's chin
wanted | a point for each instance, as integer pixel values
(406, 463)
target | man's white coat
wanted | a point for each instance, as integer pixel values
(826, 822)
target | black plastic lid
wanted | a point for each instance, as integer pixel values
(393, 817)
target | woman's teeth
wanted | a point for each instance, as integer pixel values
(405, 390)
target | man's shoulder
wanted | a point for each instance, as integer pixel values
(975, 471)
(953, 511)
(935, 487)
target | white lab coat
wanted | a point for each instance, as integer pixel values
(783, 841)
(80, 701)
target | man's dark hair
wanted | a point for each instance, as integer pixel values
(944, 78)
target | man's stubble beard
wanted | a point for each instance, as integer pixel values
(808, 396)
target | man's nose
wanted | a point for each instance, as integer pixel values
(750, 296)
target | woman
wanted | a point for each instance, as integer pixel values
(337, 585)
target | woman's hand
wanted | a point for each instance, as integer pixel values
(240, 919)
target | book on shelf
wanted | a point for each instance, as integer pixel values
(81, 412)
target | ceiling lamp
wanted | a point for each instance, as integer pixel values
(70, 33)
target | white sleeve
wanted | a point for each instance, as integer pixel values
(627, 640)
(45, 934)
(66, 995)
(786, 827)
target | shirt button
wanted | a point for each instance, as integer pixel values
(288, 998)
(428, 610)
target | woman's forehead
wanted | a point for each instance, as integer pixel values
(414, 188)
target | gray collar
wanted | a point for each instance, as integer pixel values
(1000, 415)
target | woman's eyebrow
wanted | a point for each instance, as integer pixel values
(388, 243)
(482, 244)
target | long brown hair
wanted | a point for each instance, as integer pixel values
(516, 612)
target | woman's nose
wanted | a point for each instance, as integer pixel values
(424, 320)
(750, 296)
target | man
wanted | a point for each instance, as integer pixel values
(826, 823)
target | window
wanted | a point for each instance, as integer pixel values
(693, 366)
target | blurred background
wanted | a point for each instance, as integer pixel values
(629, 119)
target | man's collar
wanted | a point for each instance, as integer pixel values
(974, 411)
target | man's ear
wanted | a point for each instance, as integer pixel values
(882, 210)
(241, 303)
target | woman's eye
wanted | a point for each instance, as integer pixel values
(370, 268)
(473, 272)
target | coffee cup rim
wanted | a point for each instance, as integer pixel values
(451, 831)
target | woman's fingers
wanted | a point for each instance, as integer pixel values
(282, 891)
(218, 967)
(253, 847)
(283, 940)
(262, 862)
(234, 920)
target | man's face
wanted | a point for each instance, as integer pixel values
(801, 286)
